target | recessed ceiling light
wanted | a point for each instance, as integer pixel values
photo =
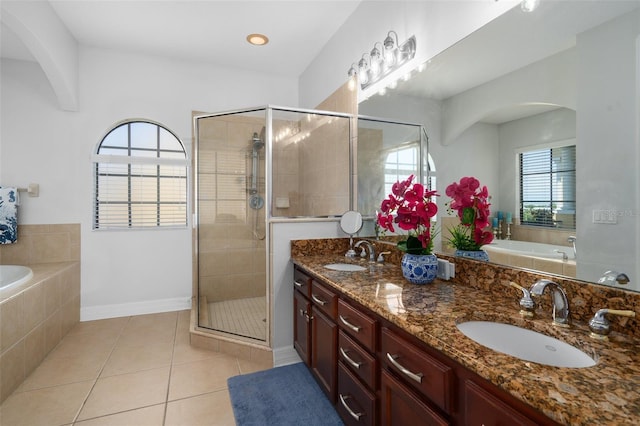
(258, 39)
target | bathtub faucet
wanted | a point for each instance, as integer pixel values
(572, 240)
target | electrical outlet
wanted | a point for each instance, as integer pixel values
(443, 269)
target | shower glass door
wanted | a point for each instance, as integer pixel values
(230, 209)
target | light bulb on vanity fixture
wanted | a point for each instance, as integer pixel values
(529, 5)
(384, 58)
(390, 50)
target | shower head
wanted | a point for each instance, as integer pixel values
(257, 142)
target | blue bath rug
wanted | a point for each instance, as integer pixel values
(282, 396)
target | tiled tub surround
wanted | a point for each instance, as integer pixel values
(607, 393)
(36, 315)
(520, 260)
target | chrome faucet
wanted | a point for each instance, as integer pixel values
(372, 252)
(560, 312)
(572, 240)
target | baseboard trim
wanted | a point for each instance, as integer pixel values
(285, 356)
(91, 313)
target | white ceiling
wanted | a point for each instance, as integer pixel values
(209, 31)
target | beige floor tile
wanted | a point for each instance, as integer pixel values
(106, 327)
(125, 392)
(85, 344)
(209, 409)
(201, 377)
(60, 371)
(58, 405)
(163, 321)
(252, 366)
(130, 358)
(184, 353)
(148, 416)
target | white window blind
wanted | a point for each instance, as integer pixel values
(548, 187)
(140, 176)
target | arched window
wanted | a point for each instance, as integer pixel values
(140, 178)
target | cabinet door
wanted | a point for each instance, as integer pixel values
(483, 408)
(400, 407)
(324, 362)
(302, 326)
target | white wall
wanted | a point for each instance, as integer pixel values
(282, 232)
(123, 272)
(609, 154)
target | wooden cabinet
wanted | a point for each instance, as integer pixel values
(302, 326)
(315, 333)
(378, 374)
(484, 409)
(400, 406)
(356, 404)
(419, 370)
(324, 360)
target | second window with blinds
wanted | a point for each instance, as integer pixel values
(547, 190)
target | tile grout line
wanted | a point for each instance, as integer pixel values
(173, 351)
(115, 343)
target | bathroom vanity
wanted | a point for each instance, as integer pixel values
(386, 352)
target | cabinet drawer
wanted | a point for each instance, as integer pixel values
(483, 408)
(355, 404)
(360, 326)
(324, 299)
(426, 374)
(302, 282)
(357, 359)
(399, 406)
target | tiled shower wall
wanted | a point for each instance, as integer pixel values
(324, 161)
(231, 259)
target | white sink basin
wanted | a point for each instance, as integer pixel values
(346, 267)
(525, 344)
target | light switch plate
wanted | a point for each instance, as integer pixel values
(608, 217)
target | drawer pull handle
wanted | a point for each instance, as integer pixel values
(348, 324)
(355, 364)
(343, 401)
(417, 377)
(319, 301)
(298, 284)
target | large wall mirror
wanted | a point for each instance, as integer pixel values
(386, 152)
(564, 75)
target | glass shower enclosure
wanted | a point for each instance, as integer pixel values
(251, 166)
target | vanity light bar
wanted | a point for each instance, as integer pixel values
(384, 61)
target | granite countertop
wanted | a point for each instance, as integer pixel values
(608, 393)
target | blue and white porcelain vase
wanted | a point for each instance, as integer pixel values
(419, 268)
(473, 254)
